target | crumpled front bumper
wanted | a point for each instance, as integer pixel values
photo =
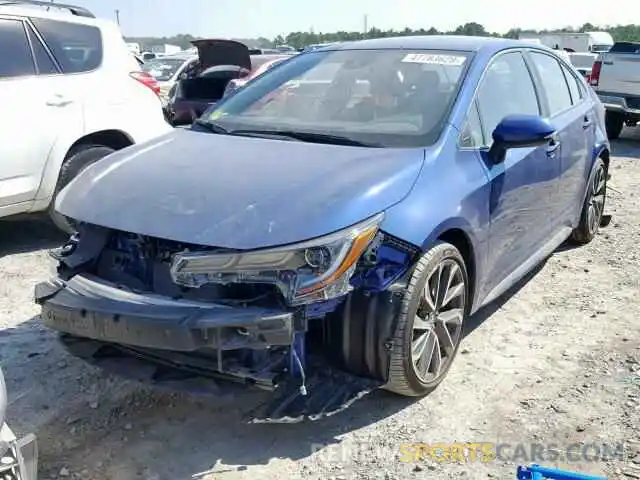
(91, 308)
(18, 457)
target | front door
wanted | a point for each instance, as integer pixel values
(524, 188)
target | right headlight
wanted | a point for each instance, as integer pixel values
(306, 272)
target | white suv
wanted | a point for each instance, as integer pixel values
(70, 94)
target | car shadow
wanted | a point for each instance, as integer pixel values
(28, 235)
(628, 145)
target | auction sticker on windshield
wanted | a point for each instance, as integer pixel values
(435, 59)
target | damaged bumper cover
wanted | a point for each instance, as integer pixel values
(97, 310)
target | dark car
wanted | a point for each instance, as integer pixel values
(219, 61)
(330, 227)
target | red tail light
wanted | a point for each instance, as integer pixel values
(147, 80)
(594, 78)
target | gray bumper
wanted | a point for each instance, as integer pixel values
(90, 308)
(18, 457)
(616, 103)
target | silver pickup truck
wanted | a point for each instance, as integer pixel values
(616, 79)
(18, 457)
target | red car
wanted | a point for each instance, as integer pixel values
(260, 64)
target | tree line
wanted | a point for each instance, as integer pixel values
(620, 33)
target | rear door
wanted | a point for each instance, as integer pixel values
(524, 187)
(575, 122)
(30, 122)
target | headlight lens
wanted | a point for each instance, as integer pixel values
(316, 270)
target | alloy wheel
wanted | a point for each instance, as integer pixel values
(437, 325)
(597, 198)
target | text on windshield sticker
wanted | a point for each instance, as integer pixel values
(434, 59)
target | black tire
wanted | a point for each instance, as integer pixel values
(593, 206)
(404, 378)
(77, 160)
(614, 122)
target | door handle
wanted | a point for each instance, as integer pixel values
(587, 122)
(554, 145)
(59, 101)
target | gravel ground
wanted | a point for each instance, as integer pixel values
(555, 363)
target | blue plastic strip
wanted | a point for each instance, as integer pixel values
(536, 472)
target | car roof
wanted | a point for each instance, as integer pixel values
(55, 13)
(433, 42)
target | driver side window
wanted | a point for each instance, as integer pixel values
(506, 89)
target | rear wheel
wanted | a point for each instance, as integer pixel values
(593, 206)
(429, 326)
(614, 122)
(78, 159)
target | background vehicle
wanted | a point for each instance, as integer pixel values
(167, 70)
(339, 219)
(615, 78)
(219, 61)
(75, 93)
(594, 42)
(19, 457)
(259, 64)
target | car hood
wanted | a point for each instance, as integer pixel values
(238, 192)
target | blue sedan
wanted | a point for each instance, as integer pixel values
(330, 228)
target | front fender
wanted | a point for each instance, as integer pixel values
(452, 193)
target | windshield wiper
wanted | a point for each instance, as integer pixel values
(306, 137)
(211, 127)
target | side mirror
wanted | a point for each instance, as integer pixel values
(182, 76)
(519, 131)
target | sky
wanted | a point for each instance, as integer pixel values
(269, 18)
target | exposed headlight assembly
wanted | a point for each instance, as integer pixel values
(306, 272)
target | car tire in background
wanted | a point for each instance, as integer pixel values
(78, 159)
(614, 122)
(593, 206)
(430, 323)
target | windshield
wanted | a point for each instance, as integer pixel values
(391, 98)
(162, 69)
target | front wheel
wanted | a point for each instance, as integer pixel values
(429, 327)
(76, 162)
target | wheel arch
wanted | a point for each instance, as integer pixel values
(116, 139)
(65, 147)
(458, 233)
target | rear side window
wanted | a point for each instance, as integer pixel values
(77, 48)
(553, 81)
(574, 88)
(14, 50)
(506, 73)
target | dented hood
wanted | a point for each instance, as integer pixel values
(238, 192)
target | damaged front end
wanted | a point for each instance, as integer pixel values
(310, 321)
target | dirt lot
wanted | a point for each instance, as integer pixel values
(556, 362)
